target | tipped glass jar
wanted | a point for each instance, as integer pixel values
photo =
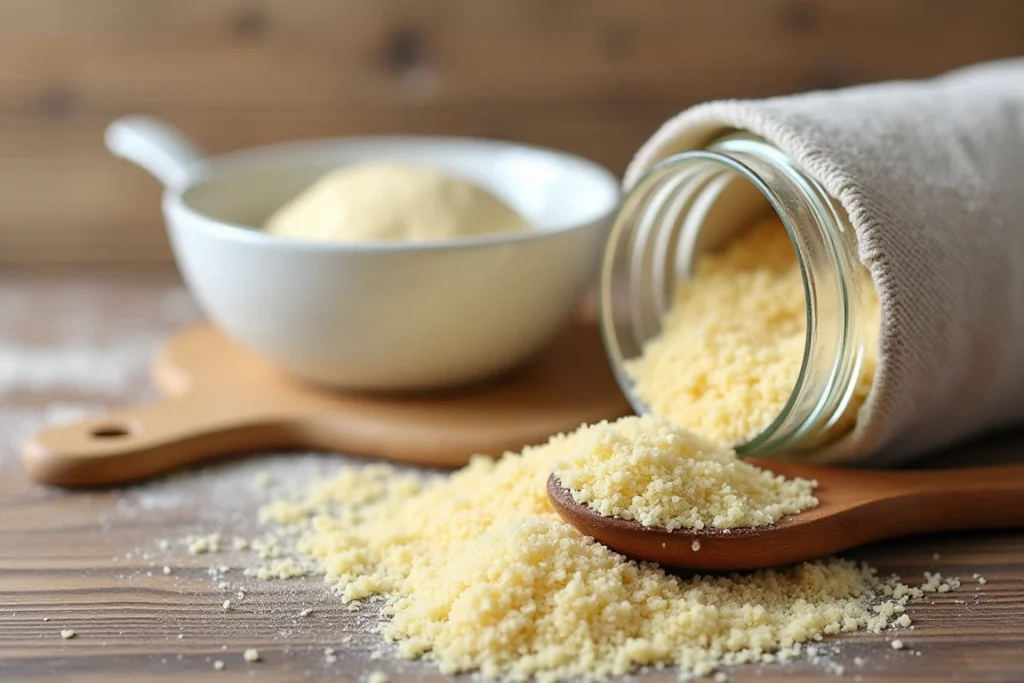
(662, 248)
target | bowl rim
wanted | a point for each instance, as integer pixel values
(276, 155)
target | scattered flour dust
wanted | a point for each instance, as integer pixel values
(647, 470)
(79, 355)
(87, 367)
(480, 574)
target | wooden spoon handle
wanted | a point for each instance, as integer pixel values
(973, 480)
(140, 442)
(969, 498)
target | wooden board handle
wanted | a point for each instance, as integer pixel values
(137, 443)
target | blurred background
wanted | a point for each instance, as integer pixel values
(595, 77)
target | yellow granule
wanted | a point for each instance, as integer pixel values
(481, 574)
(647, 470)
(285, 568)
(198, 545)
(730, 349)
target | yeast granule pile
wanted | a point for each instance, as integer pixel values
(731, 346)
(480, 574)
(650, 471)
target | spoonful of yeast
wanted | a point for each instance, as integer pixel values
(684, 503)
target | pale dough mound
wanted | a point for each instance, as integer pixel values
(383, 201)
(648, 470)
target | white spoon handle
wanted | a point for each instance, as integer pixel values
(156, 146)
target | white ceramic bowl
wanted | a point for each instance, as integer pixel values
(380, 316)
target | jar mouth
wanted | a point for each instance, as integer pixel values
(660, 225)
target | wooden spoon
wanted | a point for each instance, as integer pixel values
(855, 507)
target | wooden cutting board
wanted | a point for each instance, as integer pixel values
(222, 399)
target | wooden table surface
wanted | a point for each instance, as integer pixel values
(75, 343)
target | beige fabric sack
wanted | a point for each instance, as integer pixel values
(931, 174)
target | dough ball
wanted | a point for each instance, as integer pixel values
(388, 201)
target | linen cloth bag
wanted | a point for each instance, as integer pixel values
(931, 173)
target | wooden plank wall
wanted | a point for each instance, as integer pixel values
(592, 76)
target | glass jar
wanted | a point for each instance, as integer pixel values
(693, 202)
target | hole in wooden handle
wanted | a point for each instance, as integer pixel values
(112, 431)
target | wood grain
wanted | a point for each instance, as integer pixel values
(92, 562)
(592, 76)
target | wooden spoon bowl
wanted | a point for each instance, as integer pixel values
(855, 507)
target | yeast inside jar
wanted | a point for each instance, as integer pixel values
(734, 304)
